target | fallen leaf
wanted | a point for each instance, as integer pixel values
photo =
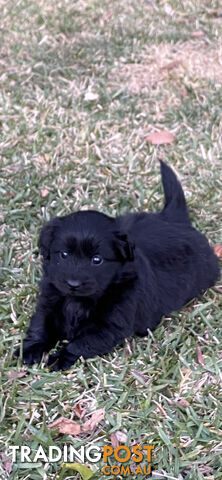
(93, 421)
(44, 192)
(79, 410)
(200, 356)
(114, 440)
(197, 34)
(161, 137)
(6, 463)
(14, 374)
(85, 472)
(183, 402)
(171, 65)
(64, 425)
(121, 436)
(218, 250)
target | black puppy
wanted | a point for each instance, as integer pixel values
(106, 278)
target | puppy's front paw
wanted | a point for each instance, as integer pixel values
(61, 360)
(32, 353)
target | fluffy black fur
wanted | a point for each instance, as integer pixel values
(105, 279)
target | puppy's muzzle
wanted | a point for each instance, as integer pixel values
(74, 284)
(81, 287)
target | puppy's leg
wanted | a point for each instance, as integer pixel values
(35, 341)
(40, 337)
(97, 340)
(142, 327)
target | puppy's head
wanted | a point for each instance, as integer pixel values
(83, 254)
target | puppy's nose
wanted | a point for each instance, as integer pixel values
(74, 283)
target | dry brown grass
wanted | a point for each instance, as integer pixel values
(190, 61)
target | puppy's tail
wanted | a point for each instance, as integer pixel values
(175, 208)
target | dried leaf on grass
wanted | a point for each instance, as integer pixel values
(171, 65)
(183, 402)
(64, 425)
(218, 250)
(117, 438)
(70, 427)
(122, 436)
(6, 463)
(114, 440)
(160, 138)
(14, 374)
(96, 417)
(79, 410)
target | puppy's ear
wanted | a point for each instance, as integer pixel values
(124, 247)
(46, 237)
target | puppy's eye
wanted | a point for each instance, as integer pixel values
(63, 254)
(97, 260)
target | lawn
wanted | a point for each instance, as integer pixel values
(82, 85)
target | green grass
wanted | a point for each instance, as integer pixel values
(94, 154)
